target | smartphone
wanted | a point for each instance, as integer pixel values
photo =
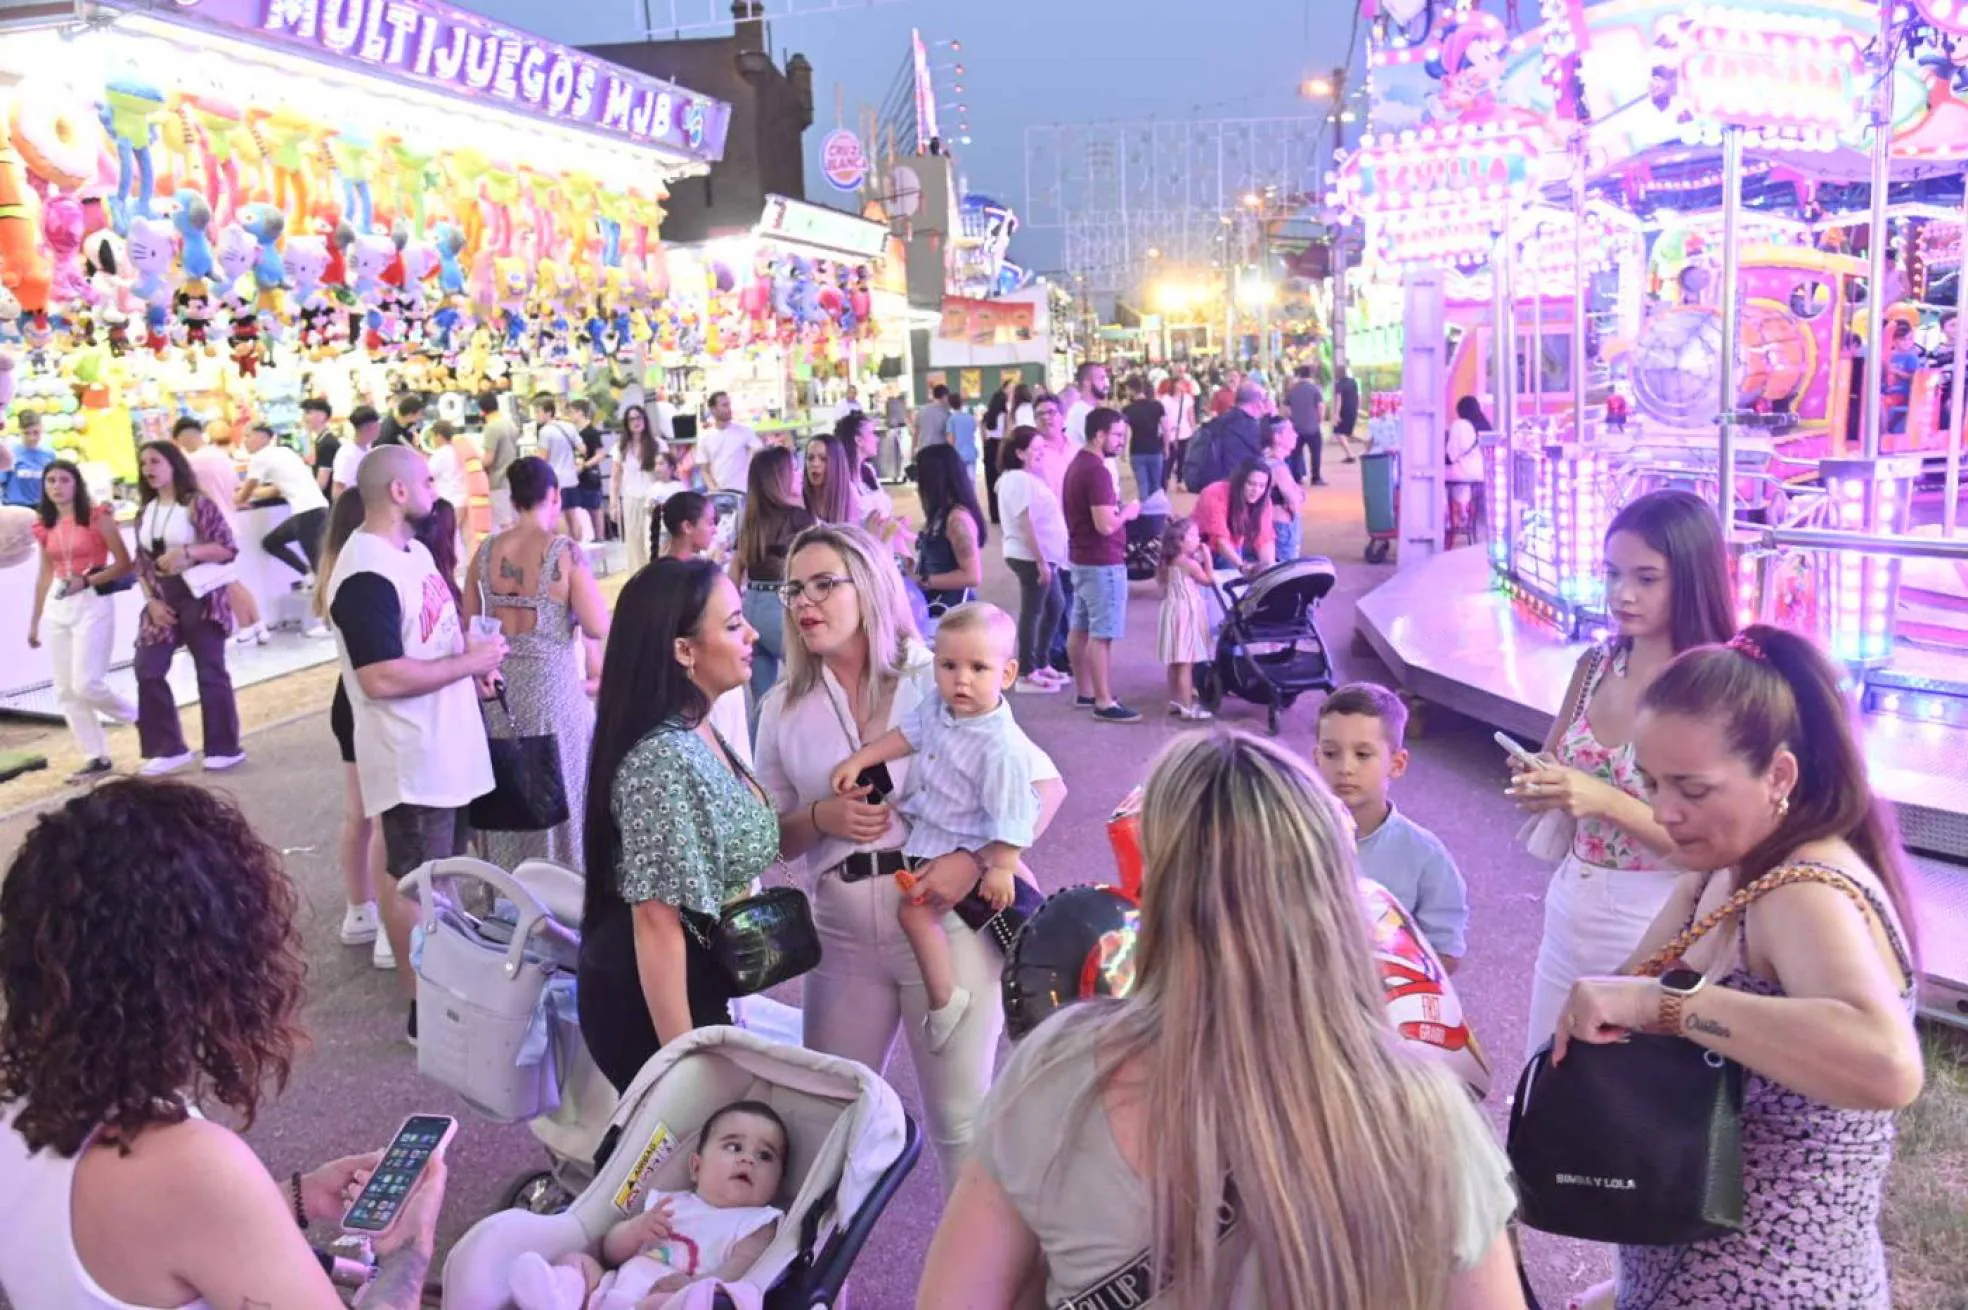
(383, 1197)
(1516, 749)
(878, 782)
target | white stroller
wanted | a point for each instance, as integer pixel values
(496, 962)
(852, 1146)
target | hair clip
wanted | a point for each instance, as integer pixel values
(1748, 645)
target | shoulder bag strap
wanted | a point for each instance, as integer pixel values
(1584, 679)
(1133, 1285)
(1736, 904)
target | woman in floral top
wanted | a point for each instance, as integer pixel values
(1667, 589)
(677, 826)
(179, 532)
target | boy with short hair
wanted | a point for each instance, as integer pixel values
(971, 792)
(1361, 730)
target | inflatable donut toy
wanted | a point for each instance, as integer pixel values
(58, 139)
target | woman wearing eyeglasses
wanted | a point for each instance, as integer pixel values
(855, 668)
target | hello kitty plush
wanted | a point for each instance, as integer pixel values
(153, 246)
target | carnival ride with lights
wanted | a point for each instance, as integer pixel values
(1676, 217)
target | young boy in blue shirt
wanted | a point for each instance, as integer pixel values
(1361, 730)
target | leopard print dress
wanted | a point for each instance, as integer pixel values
(1813, 1177)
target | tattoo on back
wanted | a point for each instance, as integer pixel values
(512, 571)
(1698, 1024)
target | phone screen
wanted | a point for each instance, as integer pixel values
(875, 778)
(383, 1196)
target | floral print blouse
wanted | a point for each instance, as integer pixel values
(209, 526)
(1599, 842)
(694, 834)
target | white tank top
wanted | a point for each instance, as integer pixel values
(702, 1234)
(39, 1266)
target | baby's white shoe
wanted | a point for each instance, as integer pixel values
(537, 1285)
(941, 1025)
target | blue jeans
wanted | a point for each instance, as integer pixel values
(766, 613)
(1288, 534)
(1058, 655)
(1149, 473)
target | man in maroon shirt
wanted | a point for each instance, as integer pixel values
(1096, 549)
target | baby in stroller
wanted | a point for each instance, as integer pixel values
(973, 793)
(716, 1231)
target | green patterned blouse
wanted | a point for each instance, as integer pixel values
(694, 834)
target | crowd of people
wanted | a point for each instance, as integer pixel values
(824, 689)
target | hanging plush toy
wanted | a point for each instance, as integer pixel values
(236, 253)
(130, 108)
(195, 312)
(369, 256)
(192, 216)
(305, 262)
(153, 246)
(449, 242)
(62, 230)
(266, 224)
(245, 343)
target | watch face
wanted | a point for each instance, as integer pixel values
(1681, 980)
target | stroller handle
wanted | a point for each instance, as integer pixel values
(533, 916)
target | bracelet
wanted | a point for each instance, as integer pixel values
(300, 1210)
(813, 817)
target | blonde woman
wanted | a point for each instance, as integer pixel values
(1254, 1050)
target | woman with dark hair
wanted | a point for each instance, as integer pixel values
(773, 516)
(1236, 519)
(873, 506)
(149, 964)
(183, 545)
(1462, 456)
(828, 491)
(360, 847)
(1667, 590)
(692, 520)
(437, 532)
(950, 547)
(1035, 547)
(997, 426)
(635, 473)
(535, 584)
(1760, 786)
(81, 550)
(676, 825)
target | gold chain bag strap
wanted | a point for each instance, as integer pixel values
(1671, 954)
(1548, 836)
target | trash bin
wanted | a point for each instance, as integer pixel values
(1379, 482)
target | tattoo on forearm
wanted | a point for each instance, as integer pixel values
(1698, 1024)
(399, 1282)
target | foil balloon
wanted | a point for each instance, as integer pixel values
(1421, 1001)
(1079, 944)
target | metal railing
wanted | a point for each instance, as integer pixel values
(1953, 548)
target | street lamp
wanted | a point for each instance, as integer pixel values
(1316, 88)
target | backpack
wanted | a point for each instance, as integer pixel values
(1202, 459)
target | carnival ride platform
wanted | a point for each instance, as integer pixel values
(1451, 638)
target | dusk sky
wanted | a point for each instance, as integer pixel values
(1027, 62)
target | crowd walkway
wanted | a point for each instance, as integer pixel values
(359, 1080)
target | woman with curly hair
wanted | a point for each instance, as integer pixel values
(148, 964)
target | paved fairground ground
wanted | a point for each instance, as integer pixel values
(359, 1078)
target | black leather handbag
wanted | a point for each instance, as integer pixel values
(765, 940)
(528, 794)
(1637, 1143)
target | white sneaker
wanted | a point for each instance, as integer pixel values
(244, 637)
(1033, 687)
(360, 926)
(163, 764)
(220, 763)
(317, 630)
(261, 633)
(941, 1025)
(380, 955)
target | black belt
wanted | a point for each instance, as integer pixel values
(764, 586)
(862, 865)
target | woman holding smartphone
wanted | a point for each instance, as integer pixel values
(94, 1149)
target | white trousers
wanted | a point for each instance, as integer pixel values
(80, 632)
(869, 983)
(1594, 920)
(635, 530)
(502, 509)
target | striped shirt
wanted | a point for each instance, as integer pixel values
(971, 784)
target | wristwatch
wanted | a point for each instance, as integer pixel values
(1677, 985)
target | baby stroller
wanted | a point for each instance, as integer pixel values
(496, 958)
(852, 1146)
(1268, 648)
(1144, 538)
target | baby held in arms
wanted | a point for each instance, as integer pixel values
(969, 795)
(716, 1231)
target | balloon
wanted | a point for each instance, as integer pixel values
(1079, 944)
